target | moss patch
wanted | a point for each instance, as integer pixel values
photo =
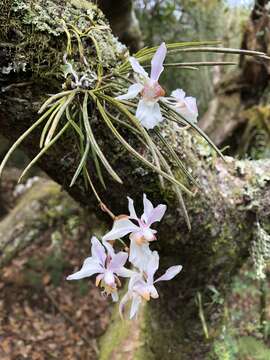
(118, 332)
(38, 37)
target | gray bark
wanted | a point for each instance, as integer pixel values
(34, 217)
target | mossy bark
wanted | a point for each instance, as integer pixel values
(223, 217)
(38, 211)
(223, 212)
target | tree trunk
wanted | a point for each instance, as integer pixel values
(37, 212)
(247, 88)
(223, 213)
(123, 22)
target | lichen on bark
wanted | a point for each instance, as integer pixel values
(36, 37)
(34, 214)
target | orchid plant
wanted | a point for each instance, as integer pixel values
(102, 89)
(110, 265)
(104, 86)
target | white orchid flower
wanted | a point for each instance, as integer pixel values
(186, 106)
(141, 233)
(148, 110)
(142, 285)
(108, 266)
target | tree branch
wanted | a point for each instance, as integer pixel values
(123, 21)
(244, 88)
(232, 197)
(32, 218)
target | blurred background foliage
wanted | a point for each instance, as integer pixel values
(192, 20)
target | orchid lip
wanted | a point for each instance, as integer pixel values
(109, 289)
(98, 280)
(146, 296)
(141, 240)
(152, 91)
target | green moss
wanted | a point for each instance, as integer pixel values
(133, 338)
(42, 207)
(253, 348)
(225, 349)
(39, 40)
(118, 332)
(247, 347)
(148, 337)
(162, 334)
(256, 138)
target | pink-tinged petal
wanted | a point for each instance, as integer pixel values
(123, 302)
(148, 234)
(135, 305)
(120, 228)
(132, 212)
(142, 289)
(139, 254)
(152, 266)
(187, 114)
(109, 278)
(115, 296)
(108, 247)
(191, 104)
(98, 251)
(178, 94)
(133, 91)
(147, 208)
(153, 292)
(170, 273)
(135, 278)
(157, 62)
(118, 261)
(137, 67)
(157, 214)
(149, 114)
(99, 278)
(123, 272)
(89, 268)
(186, 106)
